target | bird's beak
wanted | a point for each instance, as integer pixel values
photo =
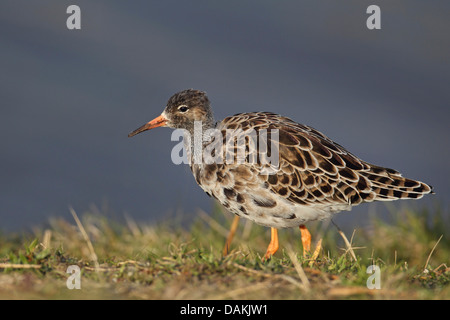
(157, 122)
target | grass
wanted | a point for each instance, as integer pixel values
(168, 261)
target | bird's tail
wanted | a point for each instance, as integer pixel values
(388, 184)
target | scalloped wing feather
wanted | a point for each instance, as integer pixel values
(316, 171)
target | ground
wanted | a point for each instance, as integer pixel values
(168, 260)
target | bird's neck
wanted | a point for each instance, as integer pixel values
(196, 139)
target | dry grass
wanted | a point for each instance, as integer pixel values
(167, 261)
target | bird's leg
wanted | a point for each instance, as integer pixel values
(306, 239)
(234, 225)
(273, 245)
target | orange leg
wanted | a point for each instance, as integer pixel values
(234, 225)
(306, 239)
(273, 245)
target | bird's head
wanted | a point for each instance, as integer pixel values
(182, 110)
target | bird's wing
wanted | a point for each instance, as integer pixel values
(313, 169)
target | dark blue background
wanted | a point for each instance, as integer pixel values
(69, 98)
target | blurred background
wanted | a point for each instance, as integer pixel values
(70, 97)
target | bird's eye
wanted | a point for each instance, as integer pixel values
(183, 108)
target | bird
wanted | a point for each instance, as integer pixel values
(309, 176)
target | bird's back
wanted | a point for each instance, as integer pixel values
(313, 172)
(312, 162)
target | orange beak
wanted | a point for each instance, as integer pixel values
(157, 122)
